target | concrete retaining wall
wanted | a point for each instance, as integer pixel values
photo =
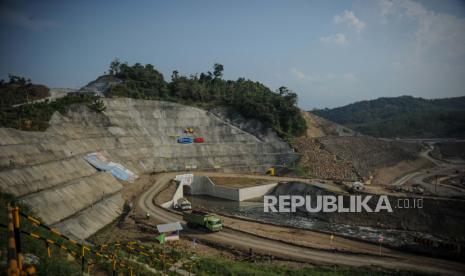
(257, 191)
(61, 202)
(203, 185)
(88, 221)
(46, 169)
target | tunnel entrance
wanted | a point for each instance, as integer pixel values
(186, 190)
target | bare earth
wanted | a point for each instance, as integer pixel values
(387, 175)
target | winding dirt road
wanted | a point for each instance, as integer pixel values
(244, 241)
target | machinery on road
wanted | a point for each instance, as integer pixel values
(183, 204)
(200, 219)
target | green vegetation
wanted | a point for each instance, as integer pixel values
(98, 106)
(216, 266)
(251, 99)
(57, 264)
(404, 116)
(36, 116)
(18, 90)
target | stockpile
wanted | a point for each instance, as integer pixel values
(321, 163)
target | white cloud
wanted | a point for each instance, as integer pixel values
(349, 77)
(349, 18)
(298, 74)
(385, 6)
(321, 78)
(443, 33)
(339, 39)
(25, 20)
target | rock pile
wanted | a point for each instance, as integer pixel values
(321, 163)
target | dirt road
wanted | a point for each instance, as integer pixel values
(244, 241)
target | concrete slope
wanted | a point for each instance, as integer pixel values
(47, 171)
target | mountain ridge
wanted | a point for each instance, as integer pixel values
(403, 116)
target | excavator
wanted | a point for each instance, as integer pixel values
(271, 171)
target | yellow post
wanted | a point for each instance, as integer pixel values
(19, 254)
(49, 250)
(13, 269)
(114, 266)
(83, 252)
(89, 265)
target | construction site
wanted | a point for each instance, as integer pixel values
(112, 177)
(248, 138)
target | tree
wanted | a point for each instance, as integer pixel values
(18, 80)
(218, 70)
(115, 67)
(175, 75)
(98, 106)
(250, 99)
(283, 90)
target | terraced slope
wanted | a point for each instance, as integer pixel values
(47, 171)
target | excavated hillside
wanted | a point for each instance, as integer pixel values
(320, 127)
(332, 151)
(46, 170)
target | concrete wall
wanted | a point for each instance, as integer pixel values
(257, 191)
(202, 185)
(46, 169)
(86, 222)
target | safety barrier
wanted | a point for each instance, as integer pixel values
(86, 253)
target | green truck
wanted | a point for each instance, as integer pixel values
(200, 219)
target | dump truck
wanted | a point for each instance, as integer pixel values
(183, 204)
(200, 219)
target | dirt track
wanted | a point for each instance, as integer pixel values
(244, 241)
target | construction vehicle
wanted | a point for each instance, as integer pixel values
(183, 204)
(271, 171)
(200, 219)
(277, 171)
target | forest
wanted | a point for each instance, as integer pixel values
(403, 117)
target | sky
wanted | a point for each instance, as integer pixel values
(331, 53)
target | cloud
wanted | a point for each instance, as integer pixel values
(438, 32)
(385, 6)
(321, 78)
(349, 77)
(339, 39)
(349, 18)
(25, 20)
